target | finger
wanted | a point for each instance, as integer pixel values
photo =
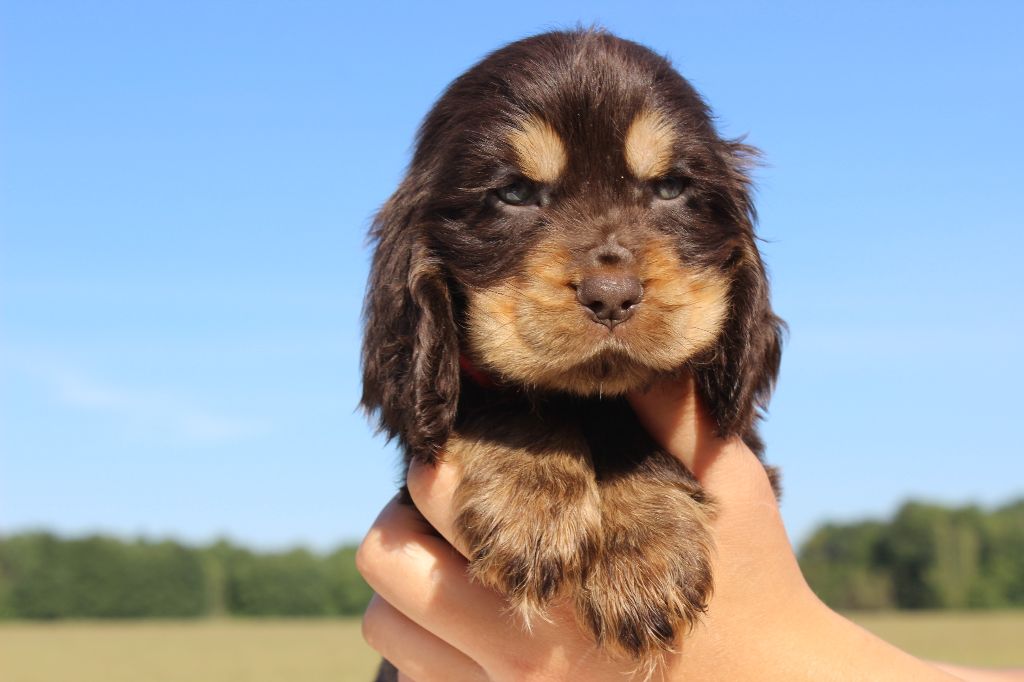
(417, 653)
(673, 415)
(432, 488)
(670, 412)
(424, 578)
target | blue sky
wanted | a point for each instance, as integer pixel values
(185, 189)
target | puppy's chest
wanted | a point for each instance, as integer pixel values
(604, 435)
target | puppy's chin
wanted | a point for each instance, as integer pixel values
(609, 373)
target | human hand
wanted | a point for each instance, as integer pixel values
(762, 622)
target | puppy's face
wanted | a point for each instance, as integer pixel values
(585, 216)
(570, 221)
(603, 295)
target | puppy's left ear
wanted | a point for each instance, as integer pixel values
(410, 344)
(737, 382)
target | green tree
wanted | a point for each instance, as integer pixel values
(289, 584)
(907, 551)
(1001, 579)
(841, 565)
(98, 577)
(349, 592)
(39, 586)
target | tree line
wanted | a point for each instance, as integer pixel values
(46, 577)
(926, 556)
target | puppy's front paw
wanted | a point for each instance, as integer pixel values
(651, 579)
(638, 598)
(528, 543)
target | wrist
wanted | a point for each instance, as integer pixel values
(820, 644)
(791, 637)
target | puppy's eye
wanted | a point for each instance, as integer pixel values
(518, 193)
(669, 187)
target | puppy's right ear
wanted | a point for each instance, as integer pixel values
(410, 344)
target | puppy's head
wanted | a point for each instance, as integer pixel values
(571, 221)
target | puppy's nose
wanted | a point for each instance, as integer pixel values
(611, 298)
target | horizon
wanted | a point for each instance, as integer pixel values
(201, 543)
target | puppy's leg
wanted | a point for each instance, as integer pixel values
(652, 578)
(527, 507)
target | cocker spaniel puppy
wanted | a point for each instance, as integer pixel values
(571, 228)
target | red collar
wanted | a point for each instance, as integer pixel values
(479, 377)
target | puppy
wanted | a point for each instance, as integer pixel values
(571, 228)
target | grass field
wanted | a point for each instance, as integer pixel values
(186, 651)
(984, 638)
(332, 650)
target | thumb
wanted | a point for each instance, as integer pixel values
(671, 413)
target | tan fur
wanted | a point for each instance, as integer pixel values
(547, 477)
(632, 550)
(649, 143)
(654, 568)
(530, 329)
(539, 150)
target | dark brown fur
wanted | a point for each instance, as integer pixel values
(562, 492)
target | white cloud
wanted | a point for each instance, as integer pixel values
(157, 412)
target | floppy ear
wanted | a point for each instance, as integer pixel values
(410, 345)
(737, 381)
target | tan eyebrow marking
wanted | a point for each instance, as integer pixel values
(649, 143)
(539, 149)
